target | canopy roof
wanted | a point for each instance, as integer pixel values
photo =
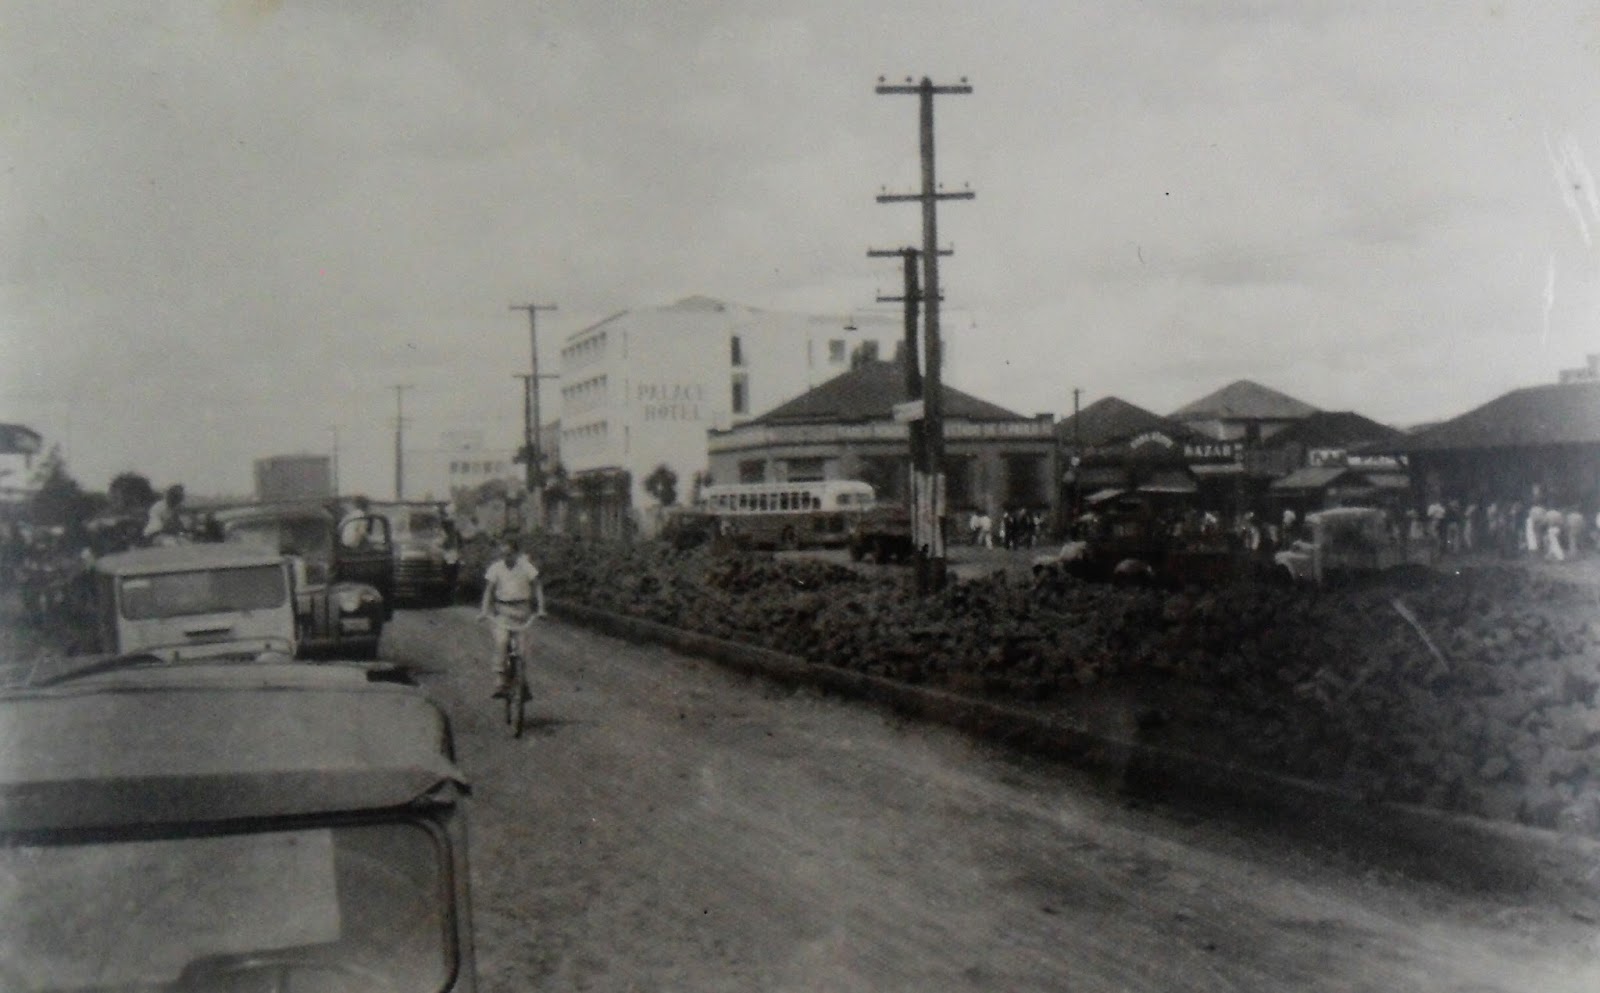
(1244, 400)
(1553, 414)
(869, 392)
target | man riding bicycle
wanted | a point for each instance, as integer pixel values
(511, 592)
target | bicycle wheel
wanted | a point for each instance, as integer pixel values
(510, 680)
(517, 699)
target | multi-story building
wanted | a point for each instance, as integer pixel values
(641, 389)
(22, 465)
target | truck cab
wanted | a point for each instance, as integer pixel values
(195, 601)
(426, 550)
(205, 825)
(344, 572)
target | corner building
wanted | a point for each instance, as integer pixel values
(643, 387)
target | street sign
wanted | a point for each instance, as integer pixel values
(911, 410)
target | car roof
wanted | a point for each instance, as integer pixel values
(207, 742)
(274, 511)
(184, 558)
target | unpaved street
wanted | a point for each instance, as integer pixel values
(666, 826)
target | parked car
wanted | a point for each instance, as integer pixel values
(230, 826)
(343, 582)
(1346, 542)
(195, 601)
(427, 551)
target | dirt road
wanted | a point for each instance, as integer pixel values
(667, 826)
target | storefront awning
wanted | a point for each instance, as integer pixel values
(1308, 479)
(1388, 480)
(1170, 481)
(1097, 477)
(1217, 470)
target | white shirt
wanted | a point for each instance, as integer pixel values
(163, 516)
(513, 582)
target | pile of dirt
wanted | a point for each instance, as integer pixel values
(1472, 691)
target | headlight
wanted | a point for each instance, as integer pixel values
(350, 600)
(451, 556)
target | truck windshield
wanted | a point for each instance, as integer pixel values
(352, 907)
(417, 524)
(204, 591)
(310, 537)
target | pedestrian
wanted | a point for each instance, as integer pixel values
(1531, 528)
(165, 523)
(1576, 538)
(1553, 521)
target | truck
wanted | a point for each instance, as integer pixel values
(294, 477)
(882, 533)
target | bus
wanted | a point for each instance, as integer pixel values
(788, 515)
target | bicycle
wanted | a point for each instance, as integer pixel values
(517, 693)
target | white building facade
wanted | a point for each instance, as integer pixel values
(643, 387)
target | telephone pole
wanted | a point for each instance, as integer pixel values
(927, 527)
(399, 439)
(335, 466)
(911, 297)
(532, 443)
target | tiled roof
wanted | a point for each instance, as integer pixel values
(869, 393)
(1244, 400)
(1335, 429)
(1110, 420)
(1554, 414)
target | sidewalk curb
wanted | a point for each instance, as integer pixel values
(1454, 847)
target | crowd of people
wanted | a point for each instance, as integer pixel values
(1541, 528)
(1018, 527)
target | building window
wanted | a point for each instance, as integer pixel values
(836, 350)
(741, 394)
(806, 470)
(736, 348)
(752, 471)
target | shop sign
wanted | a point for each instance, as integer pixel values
(1319, 457)
(1151, 438)
(1391, 462)
(1217, 450)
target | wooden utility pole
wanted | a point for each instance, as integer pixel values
(532, 442)
(912, 298)
(335, 466)
(399, 440)
(928, 530)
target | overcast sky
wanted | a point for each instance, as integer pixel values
(231, 225)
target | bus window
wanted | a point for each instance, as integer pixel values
(783, 500)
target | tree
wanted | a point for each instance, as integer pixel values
(131, 493)
(662, 483)
(61, 500)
